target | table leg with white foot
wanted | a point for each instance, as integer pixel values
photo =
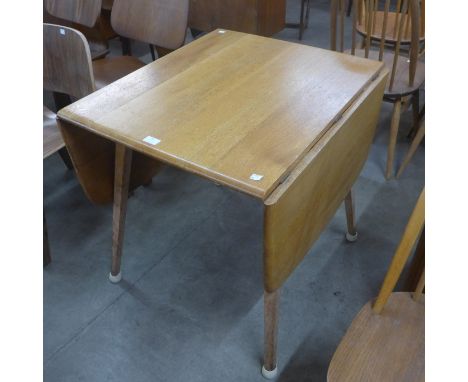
(352, 234)
(271, 305)
(123, 161)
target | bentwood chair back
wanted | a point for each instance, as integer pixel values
(385, 341)
(85, 16)
(162, 23)
(83, 12)
(386, 27)
(68, 69)
(67, 62)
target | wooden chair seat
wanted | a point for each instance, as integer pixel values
(52, 139)
(383, 347)
(111, 69)
(401, 85)
(390, 30)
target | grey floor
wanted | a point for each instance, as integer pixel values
(190, 305)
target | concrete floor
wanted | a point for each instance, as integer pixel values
(190, 305)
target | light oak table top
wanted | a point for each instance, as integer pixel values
(239, 109)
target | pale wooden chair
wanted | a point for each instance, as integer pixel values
(385, 341)
(159, 23)
(391, 17)
(67, 69)
(390, 31)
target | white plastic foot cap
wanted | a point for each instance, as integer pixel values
(269, 374)
(115, 279)
(351, 238)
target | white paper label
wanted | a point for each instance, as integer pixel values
(256, 177)
(151, 140)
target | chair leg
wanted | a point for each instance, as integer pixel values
(271, 305)
(153, 55)
(350, 7)
(123, 161)
(352, 234)
(45, 244)
(416, 115)
(307, 14)
(414, 146)
(61, 100)
(301, 21)
(126, 46)
(393, 138)
(66, 158)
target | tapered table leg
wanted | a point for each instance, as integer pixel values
(123, 161)
(271, 304)
(352, 234)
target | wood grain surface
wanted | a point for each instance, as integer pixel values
(262, 17)
(84, 12)
(229, 106)
(69, 71)
(158, 22)
(299, 209)
(385, 348)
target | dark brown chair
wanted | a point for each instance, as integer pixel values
(67, 69)
(87, 16)
(385, 31)
(385, 341)
(159, 23)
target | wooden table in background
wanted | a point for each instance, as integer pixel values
(288, 124)
(261, 17)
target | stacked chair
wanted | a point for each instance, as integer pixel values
(160, 23)
(67, 69)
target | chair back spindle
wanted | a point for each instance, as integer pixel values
(420, 287)
(384, 30)
(391, 24)
(412, 231)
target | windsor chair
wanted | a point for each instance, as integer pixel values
(385, 341)
(67, 69)
(400, 23)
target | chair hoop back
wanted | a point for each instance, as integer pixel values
(158, 22)
(83, 12)
(67, 61)
(389, 23)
